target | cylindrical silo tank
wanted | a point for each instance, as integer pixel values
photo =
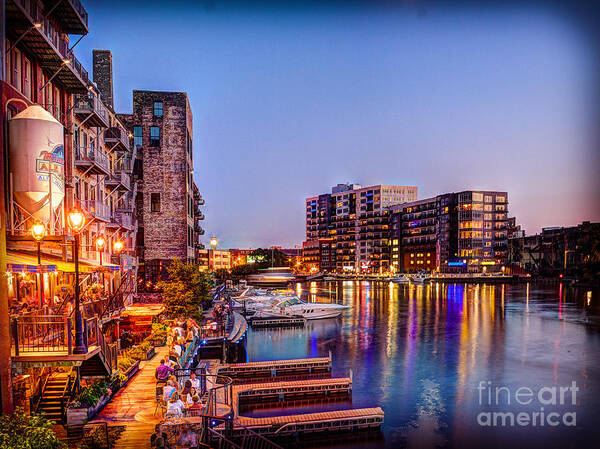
(36, 156)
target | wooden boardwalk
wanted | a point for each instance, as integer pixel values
(134, 405)
(274, 368)
(254, 393)
(335, 421)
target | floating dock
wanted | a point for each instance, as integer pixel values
(247, 395)
(311, 423)
(277, 322)
(275, 368)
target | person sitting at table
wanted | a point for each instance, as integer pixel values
(195, 381)
(187, 387)
(169, 390)
(162, 371)
(196, 404)
(175, 406)
(176, 349)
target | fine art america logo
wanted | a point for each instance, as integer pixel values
(544, 406)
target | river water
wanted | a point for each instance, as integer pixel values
(442, 359)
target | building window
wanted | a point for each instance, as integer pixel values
(155, 202)
(138, 139)
(154, 136)
(158, 109)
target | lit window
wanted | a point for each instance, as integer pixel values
(155, 202)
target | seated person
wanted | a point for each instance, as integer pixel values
(195, 381)
(175, 407)
(169, 391)
(196, 404)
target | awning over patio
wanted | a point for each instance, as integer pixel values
(21, 262)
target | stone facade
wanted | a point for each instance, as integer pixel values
(161, 124)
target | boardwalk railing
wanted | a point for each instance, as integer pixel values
(249, 439)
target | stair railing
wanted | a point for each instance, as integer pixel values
(39, 389)
(110, 304)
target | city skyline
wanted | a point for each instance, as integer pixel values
(367, 83)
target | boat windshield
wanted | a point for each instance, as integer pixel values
(289, 302)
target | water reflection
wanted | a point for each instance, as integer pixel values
(420, 351)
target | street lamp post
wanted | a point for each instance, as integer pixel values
(38, 231)
(213, 244)
(118, 246)
(76, 221)
(100, 242)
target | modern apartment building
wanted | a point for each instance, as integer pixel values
(356, 218)
(167, 201)
(464, 231)
(319, 254)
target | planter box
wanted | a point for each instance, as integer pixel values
(93, 411)
(150, 354)
(77, 416)
(80, 416)
(131, 372)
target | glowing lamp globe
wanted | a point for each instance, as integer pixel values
(118, 246)
(38, 231)
(100, 242)
(76, 220)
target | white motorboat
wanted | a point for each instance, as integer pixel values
(420, 278)
(294, 307)
(402, 279)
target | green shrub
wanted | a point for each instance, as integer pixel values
(19, 431)
(91, 395)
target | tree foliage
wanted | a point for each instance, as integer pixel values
(186, 289)
(19, 431)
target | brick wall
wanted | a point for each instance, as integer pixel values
(165, 171)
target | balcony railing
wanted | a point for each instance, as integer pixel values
(96, 208)
(117, 138)
(123, 219)
(87, 156)
(90, 108)
(41, 333)
(47, 42)
(124, 165)
(119, 180)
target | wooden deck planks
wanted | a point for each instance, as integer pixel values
(134, 405)
(307, 417)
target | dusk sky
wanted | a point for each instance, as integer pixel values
(288, 102)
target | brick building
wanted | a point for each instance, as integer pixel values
(166, 202)
(63, 150)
